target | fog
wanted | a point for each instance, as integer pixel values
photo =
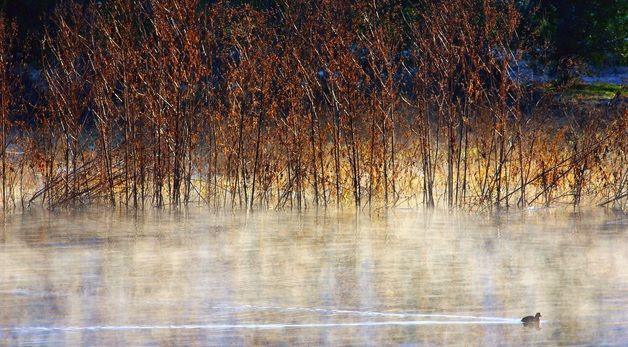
(101, 277)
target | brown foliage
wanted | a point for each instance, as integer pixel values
(313, 102)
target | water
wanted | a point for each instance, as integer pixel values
(102, 278)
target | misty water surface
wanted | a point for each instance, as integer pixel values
(408, 278)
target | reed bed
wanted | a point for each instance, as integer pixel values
(146, 103)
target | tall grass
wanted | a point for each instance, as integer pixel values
(309, 104)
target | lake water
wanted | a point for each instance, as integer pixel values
(103, 278)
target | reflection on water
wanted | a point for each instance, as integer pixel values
(410, 278)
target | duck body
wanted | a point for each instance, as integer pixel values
(532, 319)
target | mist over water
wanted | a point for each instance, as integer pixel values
(102, 277)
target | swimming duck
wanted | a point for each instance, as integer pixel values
(532, 319)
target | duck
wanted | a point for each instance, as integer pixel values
(532, 319)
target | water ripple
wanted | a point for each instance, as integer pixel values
(363, 313)
(247, 326)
